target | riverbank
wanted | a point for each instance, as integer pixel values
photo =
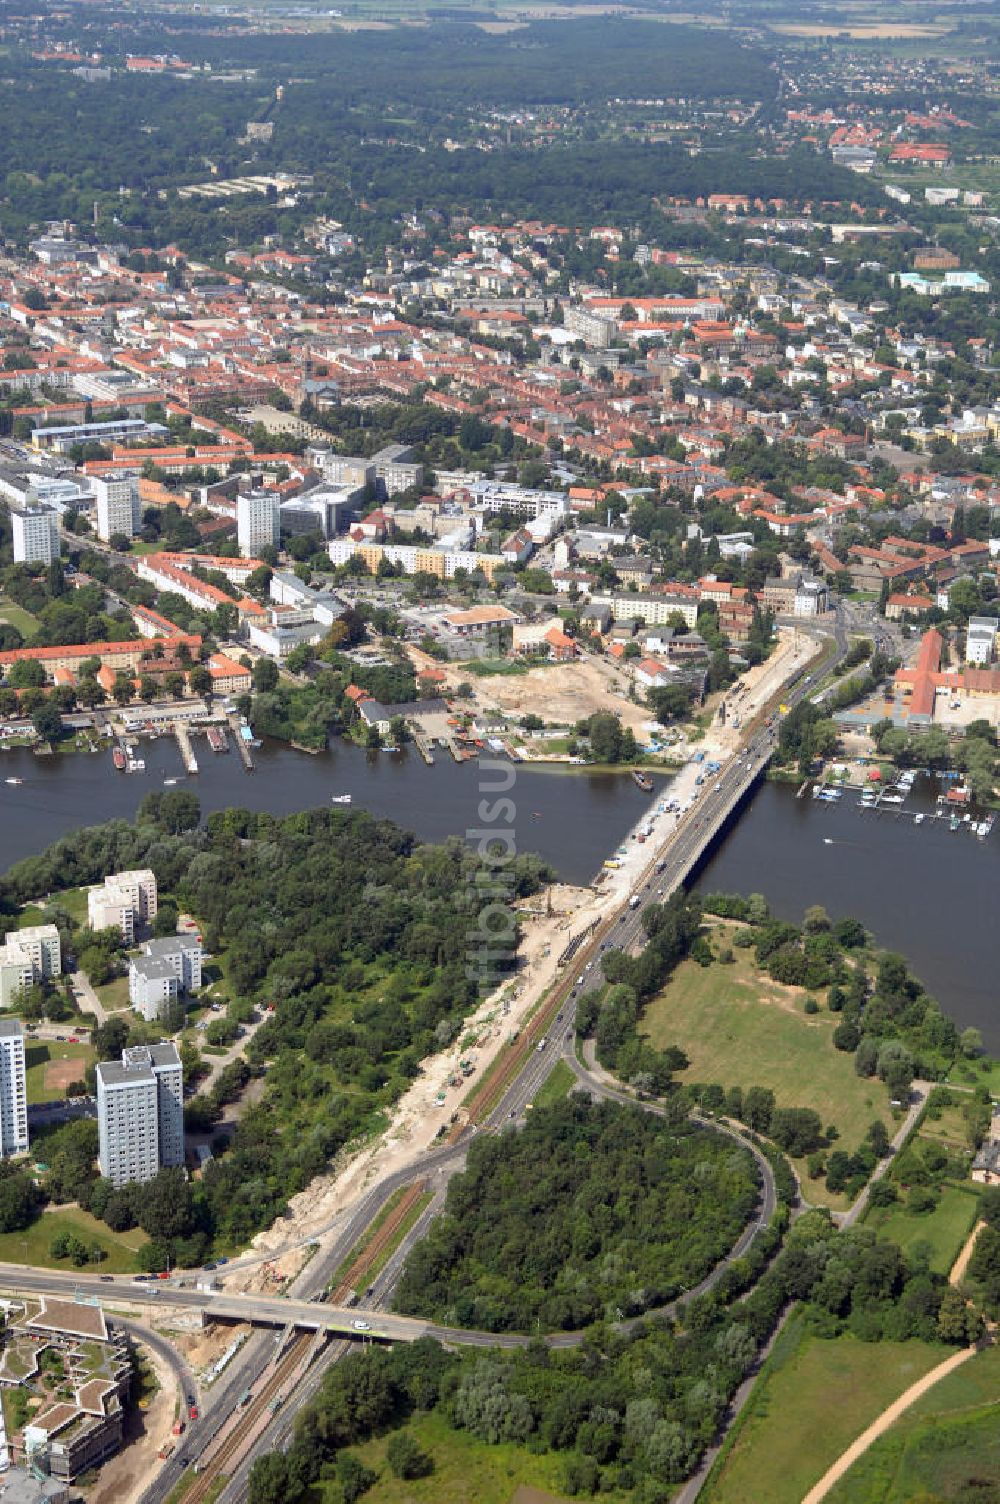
(922, 890)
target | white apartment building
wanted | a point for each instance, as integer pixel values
(42, 943)
(981, 640)
(126, 901)
(524, 501)
(140, 1113)
(16, 973)
(26, 957)
(164, 969)
(13, 1089)
(258, 521)
(118, 507)
(36, 535)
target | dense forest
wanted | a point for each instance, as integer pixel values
(587, 1210)
(354, 932)
(369, 115)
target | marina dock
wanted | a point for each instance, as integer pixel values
(242, 742)
(184, 743)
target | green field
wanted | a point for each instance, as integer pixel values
(16, 616)
(72, 900)
(976, 1073)
(943, 1230)
(114, 994)
(38, 1054)
(951, 1436)
(558, 1085)
(32, 1245)
(739, 1028)
(812, 1400)
(466, 1471)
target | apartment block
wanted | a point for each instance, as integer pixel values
(140, 1113)
(16, 973)
(13, 1089)
(119, 509)
(258, 521)
(126, 901)
(162, 972)
(36, 535)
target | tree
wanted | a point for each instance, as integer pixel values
(758, 1108)
(984, 1265)
(47, 721)
(850, 933)
(670, 702)
(355, 1479)
(895, 1067)
(406, 1458)
(952, 1319)
(265, 676)
(200, 680)
(268, 1481)
(971, 1041)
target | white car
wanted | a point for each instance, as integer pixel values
(361, 1326)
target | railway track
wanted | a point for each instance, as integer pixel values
(358, 1272)
(231, 1449)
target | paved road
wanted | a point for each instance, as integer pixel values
(919, 1093)
(87, 997)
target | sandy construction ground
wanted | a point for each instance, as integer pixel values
(59, 1074)
(562, 692)
(127, 1475)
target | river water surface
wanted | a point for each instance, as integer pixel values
(925, 890)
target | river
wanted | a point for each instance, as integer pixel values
(924, 890)
(571, 819)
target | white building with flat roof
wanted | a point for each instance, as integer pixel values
(43, 945)
(16, 973)
(126, 901)
(258, 521)
(161, 972)
(13, 1089)
(119, 509)
(140, 1113)
(981, 640)
(36, 535)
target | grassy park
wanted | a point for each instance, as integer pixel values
(942, 1231)
(33, 1244)
(50, 1065)
(813, 1398)
(465, 1470)
(73, 901)
(16, 616)
(936, 1450)
(740, 1028)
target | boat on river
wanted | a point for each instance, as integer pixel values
(643, 780)
(340, 798)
